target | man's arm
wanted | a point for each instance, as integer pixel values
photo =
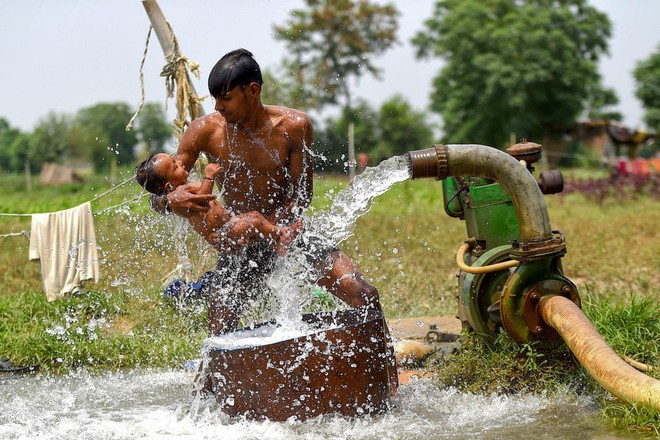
(301, 171)
(182, 200)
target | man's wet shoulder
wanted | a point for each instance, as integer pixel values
(210, 122)
(289, 115)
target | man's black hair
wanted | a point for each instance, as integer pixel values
(236, 68)
(148, 178)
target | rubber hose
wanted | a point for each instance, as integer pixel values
(600, 361)
(460, 260)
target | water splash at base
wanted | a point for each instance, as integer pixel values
(157, 405)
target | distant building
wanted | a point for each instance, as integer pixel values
(611, 140)
(57, 174)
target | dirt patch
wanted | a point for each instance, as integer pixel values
(120, 326)
(418, 328)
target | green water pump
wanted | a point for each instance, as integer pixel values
(511, 274)
(510, 263)
(493, 232)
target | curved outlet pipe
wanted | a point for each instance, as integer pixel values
(602, 363)
(442, 161)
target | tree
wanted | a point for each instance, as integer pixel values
(332, 144)
(153, 128)
(599, 102)
(331, 41)
(402, 129)
(394, 129)
(18, 152)
(647, 78)
(512, 66)
(280, 90)
(110, 143)
(14, 148)
(50, 139)
(7, 136)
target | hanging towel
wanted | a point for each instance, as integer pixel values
(65, 244)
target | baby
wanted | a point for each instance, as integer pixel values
(161, 173)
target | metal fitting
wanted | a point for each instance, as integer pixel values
(430, 162)
(539, 249)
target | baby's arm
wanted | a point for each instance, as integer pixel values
(210, 172)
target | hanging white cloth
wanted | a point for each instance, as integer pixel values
(65, 244)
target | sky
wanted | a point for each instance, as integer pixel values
(65, 55)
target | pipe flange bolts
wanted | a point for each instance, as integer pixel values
(531, 311)
(538, 249)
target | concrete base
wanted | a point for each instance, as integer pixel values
(418, 339)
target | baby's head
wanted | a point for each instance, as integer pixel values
(160, 173)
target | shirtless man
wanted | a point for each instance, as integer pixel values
(266, 164)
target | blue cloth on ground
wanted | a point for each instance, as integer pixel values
(181, 289)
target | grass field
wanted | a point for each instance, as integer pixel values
(405, 245)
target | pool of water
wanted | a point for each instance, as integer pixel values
(159, 405)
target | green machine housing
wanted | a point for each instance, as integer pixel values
(492, 227)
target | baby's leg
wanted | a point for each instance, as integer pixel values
(249, 227)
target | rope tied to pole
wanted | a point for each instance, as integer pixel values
(176, 72)
(144, 57)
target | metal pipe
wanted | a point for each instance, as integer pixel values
(602, 363)
(442, 161)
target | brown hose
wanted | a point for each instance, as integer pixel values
(600, 361)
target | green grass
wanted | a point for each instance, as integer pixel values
(97, 330)
(631, 328)
(405, 245)
(503, 367)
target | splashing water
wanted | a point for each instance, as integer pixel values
(156, 405)
(290, 281)
(267, 334)
(325, 230)
(336, 223)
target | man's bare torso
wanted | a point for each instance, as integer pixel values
(257, 170)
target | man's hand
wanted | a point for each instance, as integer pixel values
(289, 234)
(184, 200)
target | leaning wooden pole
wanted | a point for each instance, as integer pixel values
(165, 36)
(602, 363)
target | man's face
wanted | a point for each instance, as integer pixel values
(233, 105)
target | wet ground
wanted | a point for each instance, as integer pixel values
(158, 405)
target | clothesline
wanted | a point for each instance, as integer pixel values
(110, 208)
(9, 214)
(112, 189)
(16, 234)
